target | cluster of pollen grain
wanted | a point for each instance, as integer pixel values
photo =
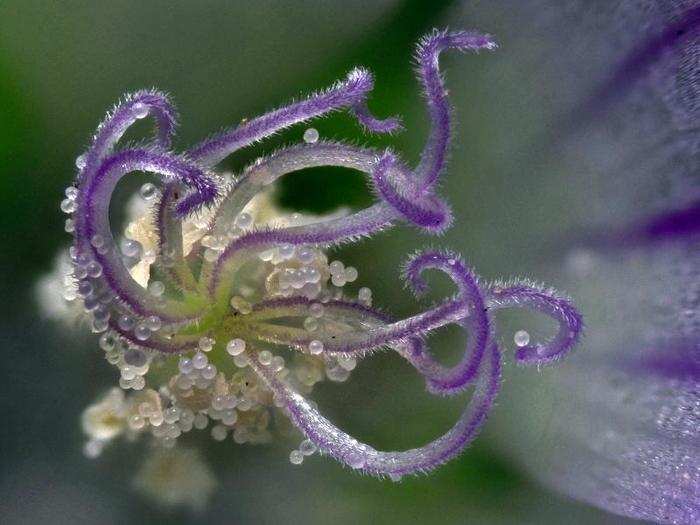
(210, 387)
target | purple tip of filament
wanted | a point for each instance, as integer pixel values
(373, 124)
(434, 156)
(462, 40)
(547, 302)
(205, 193)
(134, 107)
(163, 111)
(420, 208)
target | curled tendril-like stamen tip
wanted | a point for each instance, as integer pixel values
(205, 195)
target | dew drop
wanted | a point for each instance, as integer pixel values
(185, 365)
(521, 338)
(311, 136)
(154, 323)
(316, 310)
(286, 251)
(126, 323)
(156, 288)
(308, 447)
(148, 191)
(199, 360)
(337, 268)
(310, 324)
(94, 269)
(209, 371)
(316, 347)
(135, 357)
(364, 295)
(305, 254)
(296, 457)
(235, 347)
(97, 240)
(351, 274)
(218, 432)
(206, 344)
(80, 162)
(84, 288)
(140, 110)
(67, 205)
(131, 248)
(142, 332)
(244, 220)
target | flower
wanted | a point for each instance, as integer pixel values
(210, 282)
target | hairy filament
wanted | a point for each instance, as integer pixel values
(95, 232)
(434, 156)
(324, 233)
(345, 449)
(352, 90)
(373, 124)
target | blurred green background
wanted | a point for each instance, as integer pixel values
(63, 64)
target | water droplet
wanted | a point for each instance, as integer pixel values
(140, 110)
(135, 357)
(156, 288)
(244, 220)
(265, 357)
(316, 310)
(311, 136)
(97, 240)
(296, 457)
(235, 347)
(131, 248)
(307, 447)
(148, 191)
(200, 360)
(142, 332)
(206, 344)
(351, 274)
(521, 338)
(68, 205)
(364, 294)
(80, 161)
(316, 347)
(94, 269)
(154, 323)
(337, 268)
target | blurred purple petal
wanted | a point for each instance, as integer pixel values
(624, 428)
